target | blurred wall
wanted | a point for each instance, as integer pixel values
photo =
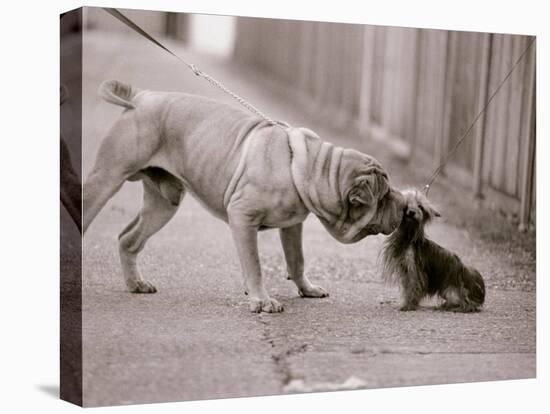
(213, 34)
(95, 18)
(205, 33)
(417, 90)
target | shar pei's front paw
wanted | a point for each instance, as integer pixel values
(267, 305)
(313, 291)
(142, 286)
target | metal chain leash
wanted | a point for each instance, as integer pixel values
(239, 99)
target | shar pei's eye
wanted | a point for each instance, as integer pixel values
(368, 189)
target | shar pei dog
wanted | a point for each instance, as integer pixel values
(244, 170)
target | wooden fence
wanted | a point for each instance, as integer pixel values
(416, 89)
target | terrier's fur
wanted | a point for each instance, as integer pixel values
(423, 268)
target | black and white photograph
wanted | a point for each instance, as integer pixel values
(260, 206)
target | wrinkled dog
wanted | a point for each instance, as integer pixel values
(250, 174)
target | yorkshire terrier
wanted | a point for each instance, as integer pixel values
(424, 268)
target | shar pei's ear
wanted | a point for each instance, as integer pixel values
(368, 187)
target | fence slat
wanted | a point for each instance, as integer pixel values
(527, 208)
(480, 132)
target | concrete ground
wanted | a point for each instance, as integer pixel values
(196, 339)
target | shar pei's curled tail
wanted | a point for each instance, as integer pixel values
(118, 93)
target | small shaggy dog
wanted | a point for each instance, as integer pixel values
(423, 268)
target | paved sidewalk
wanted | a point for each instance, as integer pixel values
(196, 339)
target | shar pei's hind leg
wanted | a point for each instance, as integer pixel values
(291, 239)
(162, 194)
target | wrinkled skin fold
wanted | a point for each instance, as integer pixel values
(348, 191)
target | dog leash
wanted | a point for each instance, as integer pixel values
(455, 147)
(117, 14)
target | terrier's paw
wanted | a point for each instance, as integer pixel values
(407, 307)
(459, 308)
(448, 306)
(267, 305)
(142, 286)
(313, 292)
